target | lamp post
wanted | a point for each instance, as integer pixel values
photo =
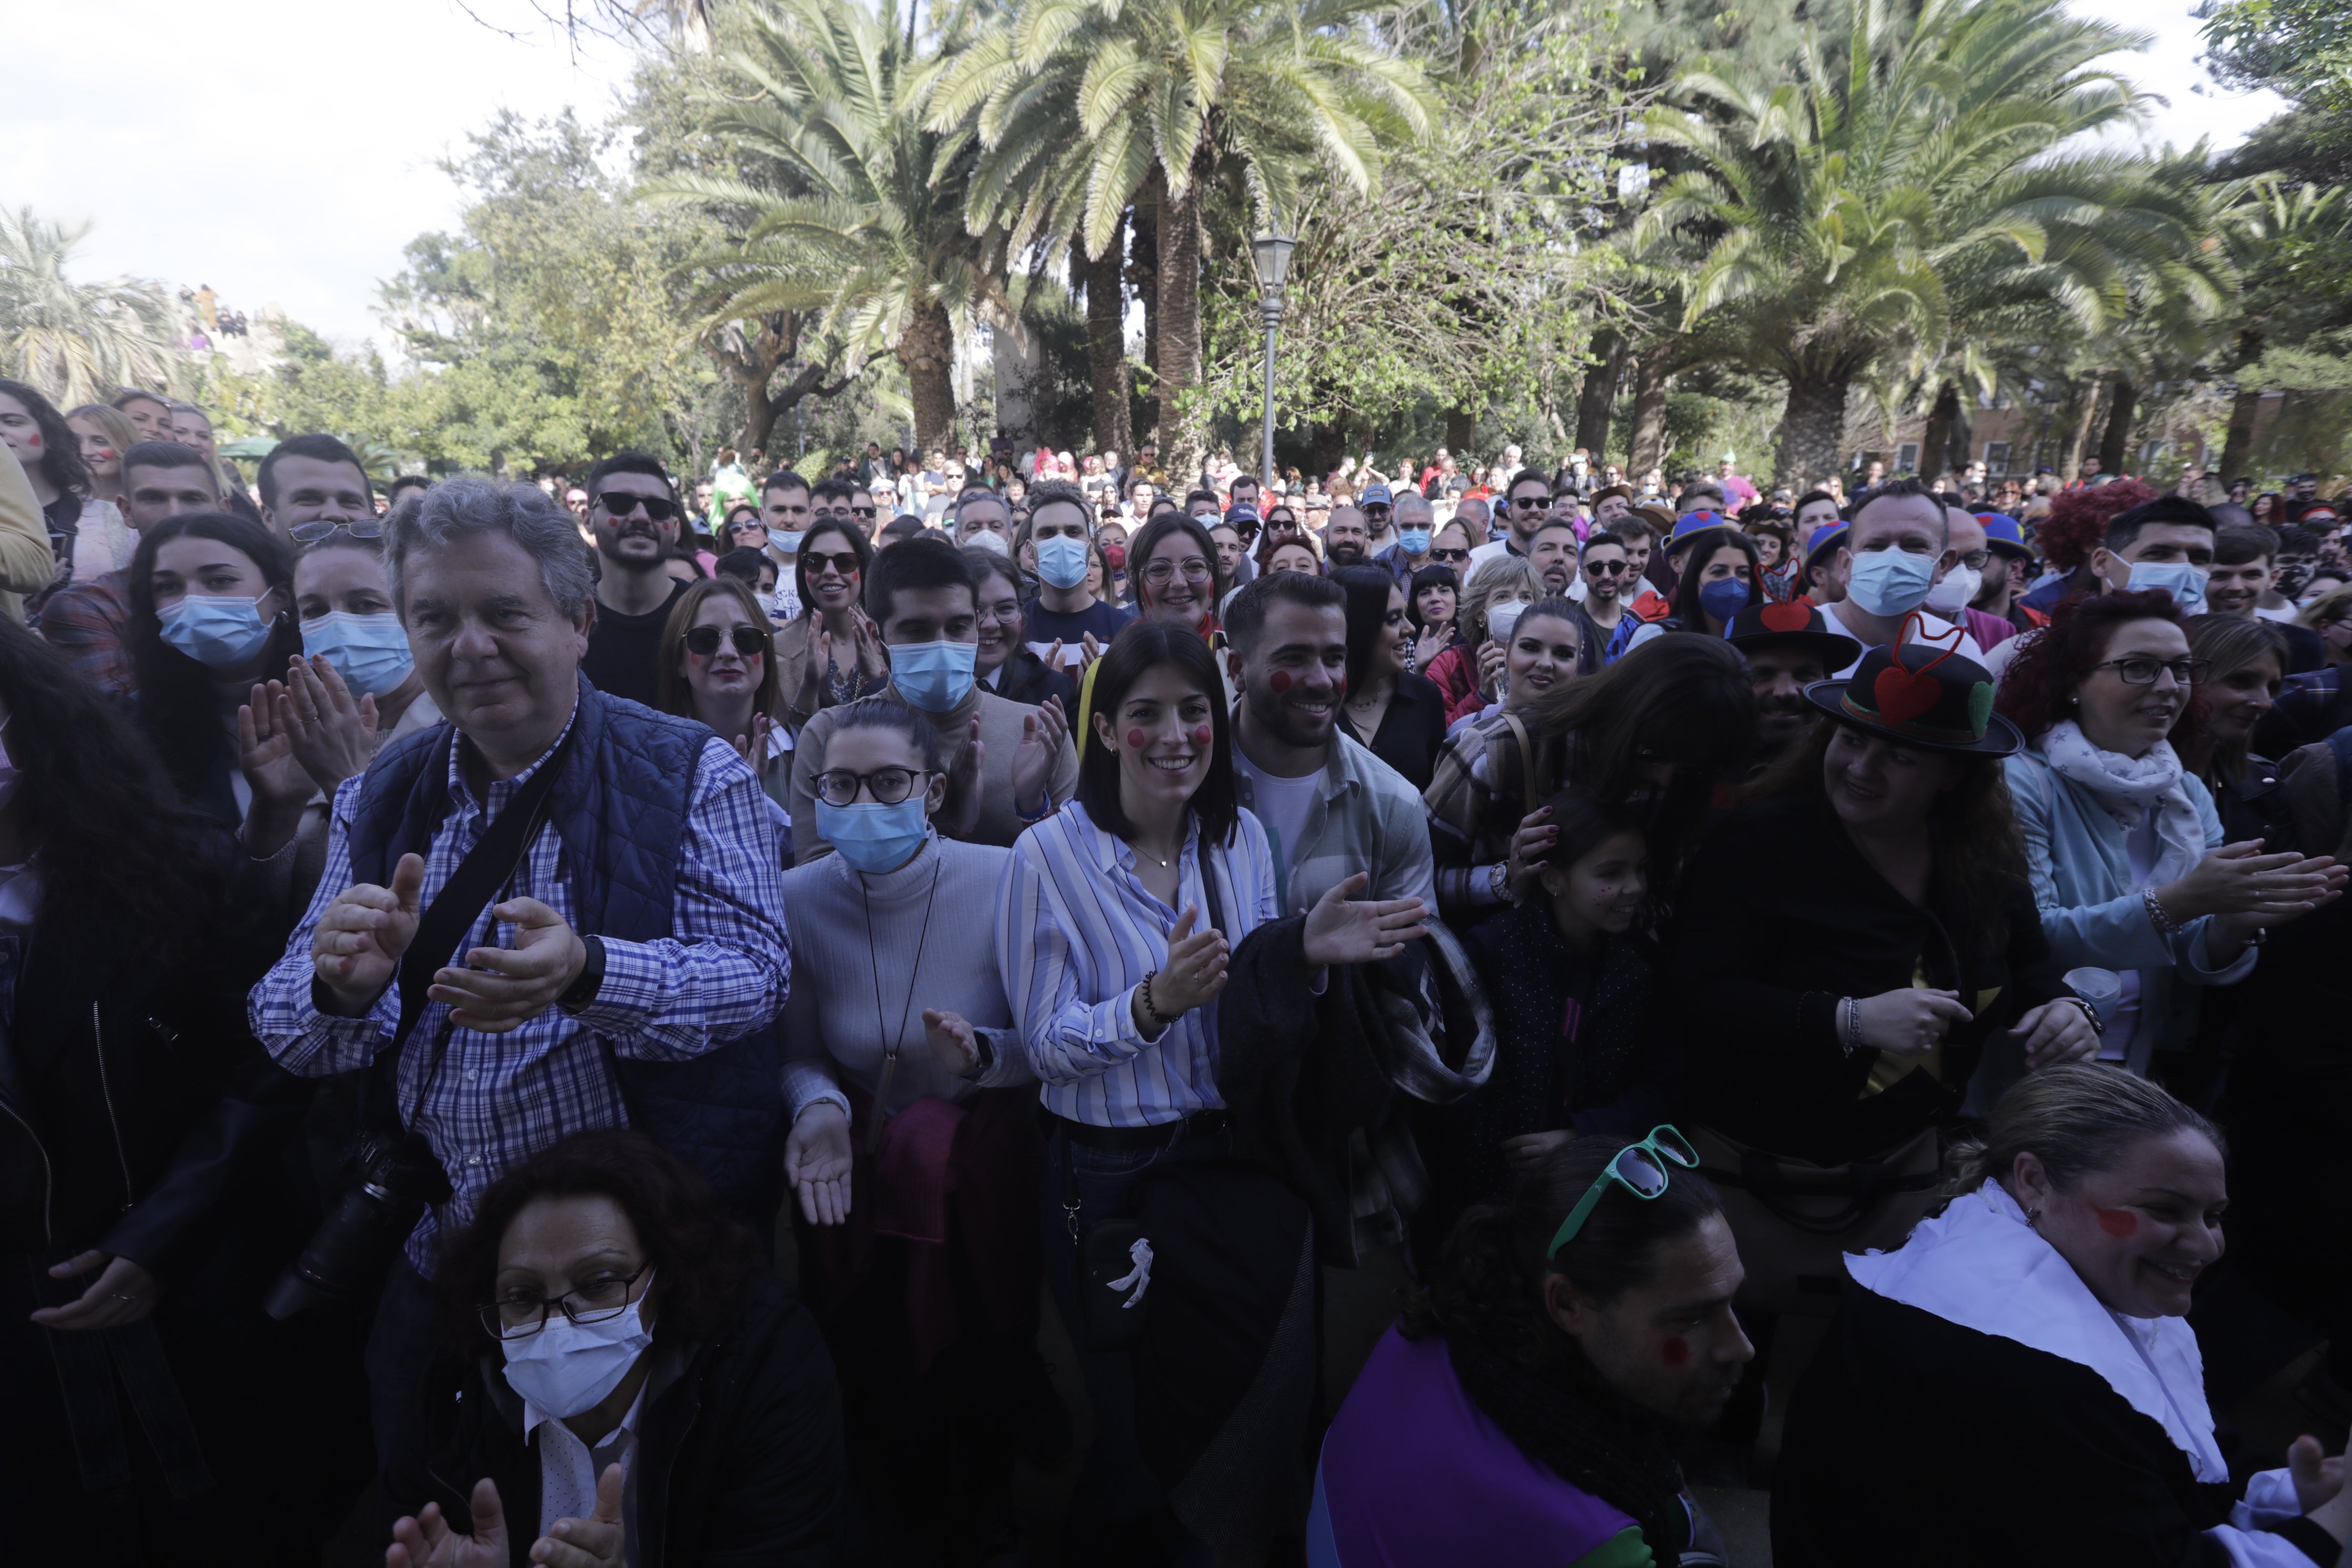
(1272, 249)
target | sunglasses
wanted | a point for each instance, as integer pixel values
(311, 533)
(618, 504)
(1530, 503)
(1608, 568)
(1640, 1169)
(843, 561)
(703, 641)
(1455, 555)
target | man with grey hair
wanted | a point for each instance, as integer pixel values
(1476, 515)
(613, 955)
(1415, 523)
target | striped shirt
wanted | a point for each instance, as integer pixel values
(1075, 934)
(499, 1099)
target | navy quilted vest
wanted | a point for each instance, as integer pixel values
(619, 807)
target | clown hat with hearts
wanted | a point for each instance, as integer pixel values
(1917, 694)
(1798, 624)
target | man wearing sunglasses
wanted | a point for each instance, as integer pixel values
(310, 480)
(1527, 506)
(633, 511)
(1607, 570)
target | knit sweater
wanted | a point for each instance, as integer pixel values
(832, 1031)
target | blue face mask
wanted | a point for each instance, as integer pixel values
(224, 634)
(1725, 599)
(933, 676)
(1414, 540)
(2185, 582)
(1891, 582)
(1062, 561)
(370, 652)
(871, 836)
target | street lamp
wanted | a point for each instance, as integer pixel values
(1272, 249)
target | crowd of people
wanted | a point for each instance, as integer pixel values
(452, 931)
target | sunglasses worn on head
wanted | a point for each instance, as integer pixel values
(1640, 1169)
(703, 641)
(620, 503)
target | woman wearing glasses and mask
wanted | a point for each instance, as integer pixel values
(622, 1385)
(1528, 1407)
(2125, 845)
(831, 653)
(932, 1323)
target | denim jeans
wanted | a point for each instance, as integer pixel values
(1115, 1486)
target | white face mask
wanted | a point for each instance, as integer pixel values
(1956, 592)
(1501, 618)
(567, 1368)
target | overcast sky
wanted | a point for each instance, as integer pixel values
(283, 151)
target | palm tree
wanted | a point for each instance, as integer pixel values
(1866, 213)
(79, 341)
(1080, 109)
(2285, 237)
(854, 210)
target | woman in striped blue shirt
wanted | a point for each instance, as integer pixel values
(1117, 917)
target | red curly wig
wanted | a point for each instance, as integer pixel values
(2078, 520)
(2039, 689)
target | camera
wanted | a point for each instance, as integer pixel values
(393, 1177)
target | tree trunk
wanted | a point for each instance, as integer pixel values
(1143, 282)
(1812, 425)
(1648, 440)
(2115, 446)
(1181, 437)
(2086, 412)
(1461, 430)
(1596, 402)
(2238, 446)
(1107, 341)
(1935, 440)
(928, 352)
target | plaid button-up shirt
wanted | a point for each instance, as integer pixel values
(498, 1099)
(90, 625)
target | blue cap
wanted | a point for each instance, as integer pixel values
(1242, 513)
(1696, 523)
(1825, 537)
(1375, 495)
(2004, 534)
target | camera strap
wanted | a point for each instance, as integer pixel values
(486, 868)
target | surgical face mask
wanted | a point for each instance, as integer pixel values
(370, 652)
(872, 836)
(223, 633)
(2185, 582)
(933, 676)
(1957, 592)
(1890, 582)
(1062, 561)
(1414, 540)
(567, 1368)
(1501, 618)
(1725, 599)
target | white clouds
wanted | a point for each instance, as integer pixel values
(2196, 106)
(281, 151)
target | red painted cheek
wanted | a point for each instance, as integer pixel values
(698, 659)
(1280, 681)
(1203, 736)
(2119, 1222)
(1338, 686)
(1134, 740)
(1675, 1351)
(32, 440)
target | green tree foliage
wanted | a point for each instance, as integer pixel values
(1861, 214)
(2300, 49)
(78, 342)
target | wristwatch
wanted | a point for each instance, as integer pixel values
(1498, 882)
(583, 990)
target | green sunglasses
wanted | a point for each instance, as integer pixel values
(1639, 1168)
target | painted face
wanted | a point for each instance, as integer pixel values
(1672, 1345)
(2140, 1234)
(1159, 719)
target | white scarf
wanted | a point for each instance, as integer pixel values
(2127, 788)
(1980, 1264)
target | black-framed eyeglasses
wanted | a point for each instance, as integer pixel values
(888, 786)
(703, 641)
(599, 1300)
(1194, 569)
(618, 504)
(1450, 555)
(357, 528)
(2139, 670)
(1976, 560)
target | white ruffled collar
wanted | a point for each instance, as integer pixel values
(1978, 1264)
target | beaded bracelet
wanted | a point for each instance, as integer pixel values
(1151, 1009)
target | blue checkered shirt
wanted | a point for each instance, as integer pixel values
(499, 1099)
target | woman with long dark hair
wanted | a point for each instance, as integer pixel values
(1173, 564)
(1398, 715)
(31, 426)
(1432, 608)
(618, 1383)
(1528, 1407)
(831, 653)
(213, 617)
(143, 1204)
